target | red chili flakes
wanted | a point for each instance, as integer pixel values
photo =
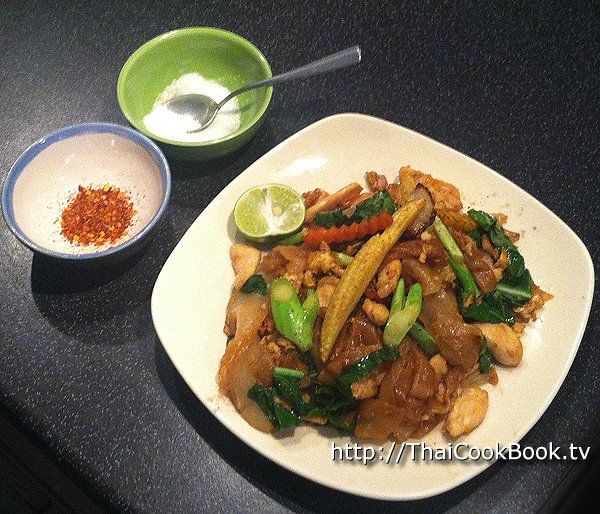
(97, 216)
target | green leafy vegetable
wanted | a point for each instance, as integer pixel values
(286, 418)
(374, 206)
(287, 373)
(265, 398)
(325, 401)
(255, 284)
(364, 366)
(491, 227)
(477, 234)
(423, 339)
(485, 357)
(467, 289)
(330, 403)
(292, 320)
(448, 241)
(308, 360)
(332, 219)
(492, 309)
(516, 287)
(338, 422)
(287, 386)
(279, 417)
(516, 263)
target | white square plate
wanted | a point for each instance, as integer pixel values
(192, 290)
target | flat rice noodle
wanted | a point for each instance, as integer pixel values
(284, 260)
(476, 261)
(427, 426)
(483, 274)
(296, 257)
(459, 342)
(358, 337)
(247, 361)
(446, 392)
(409, 383)
(424, 378)
(379, 420)
(405, 430)
(414, 248)
(249, 311)
(245, 312)
(273, 265)
(368, 387)
(428, 276)
(290, 358)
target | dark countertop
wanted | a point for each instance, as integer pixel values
(82, 373)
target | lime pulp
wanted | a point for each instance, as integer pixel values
(269, 211)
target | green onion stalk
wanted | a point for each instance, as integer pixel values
(424, 339)
(403, 314)
(468, 288)
(293, 320)
(403, 320)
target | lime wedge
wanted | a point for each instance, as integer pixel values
(267, 211)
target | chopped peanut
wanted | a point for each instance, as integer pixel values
(424, 253)
(388, 277)
(325, 289)
(493, 376)
(323, 261)
(376, 181)
(439, 364)
(376, 312)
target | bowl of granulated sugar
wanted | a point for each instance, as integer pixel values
(196, 60)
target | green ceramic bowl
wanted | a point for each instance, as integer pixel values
(217, 55)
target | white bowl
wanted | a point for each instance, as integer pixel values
(42, 179)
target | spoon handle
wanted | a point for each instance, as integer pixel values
(332, 62)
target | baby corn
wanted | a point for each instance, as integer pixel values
(359, 273)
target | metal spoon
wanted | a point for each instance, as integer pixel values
(204, 109)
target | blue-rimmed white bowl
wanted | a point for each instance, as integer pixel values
(48, 174)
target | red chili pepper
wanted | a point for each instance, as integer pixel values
(315, 235)
(97, 216)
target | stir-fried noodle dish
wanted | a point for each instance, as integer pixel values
(387, 314)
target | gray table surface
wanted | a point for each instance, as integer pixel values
(514, 85)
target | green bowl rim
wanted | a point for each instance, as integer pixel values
(193, 30)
